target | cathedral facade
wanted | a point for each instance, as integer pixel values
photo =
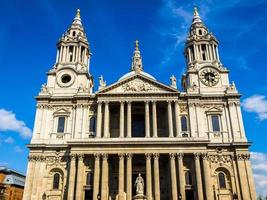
(139, 138)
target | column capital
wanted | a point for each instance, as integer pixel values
(147, 101)
(205, 156)
(80, 157)
(242, 156)
(99, 102)
(106, 102)
(122, 102)
(129, 156)
(172, 156)
(148, 156)
(128, 102)
(196, 156)
(156, 156)
(180, 156)
(121, 156)
(97, 156)
(73, 156)
(104, 156)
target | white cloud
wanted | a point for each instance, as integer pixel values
(18, 149)
(9, 140)
(9, 122)
(259, 166)
(256, 104)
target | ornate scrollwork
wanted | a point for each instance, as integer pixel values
(220, 158)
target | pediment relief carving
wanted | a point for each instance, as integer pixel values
(137, 85)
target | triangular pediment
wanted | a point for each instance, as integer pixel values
(137, 83)
(214, 110)
(61, 111)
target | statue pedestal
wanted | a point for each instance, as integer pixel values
(140, 197)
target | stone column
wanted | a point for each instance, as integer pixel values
(250, 176)
(240, 159)
(121, 176)
(72, 176)
(106, 120)
(156, 176)
(96, 176)
(121, 119)
(181, 176)
(154, 113)
(192, 119)
(79, 184)
(207, 180)
(29, 178)
(173, 176)
(35, 177)
(129, 176)
(104, 178)
(148, 177)
(99, 120)
(198, 177)
(170, 121)
(147, 121)
(177, 121)
(129, 119)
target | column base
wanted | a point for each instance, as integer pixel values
(140, 197)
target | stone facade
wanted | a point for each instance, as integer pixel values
(187, 144)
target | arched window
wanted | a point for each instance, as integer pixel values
(188, 179)
(184, 126)
(56, 180)
(89, 178)
(222, 183)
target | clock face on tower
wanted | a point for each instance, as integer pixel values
(209, 76)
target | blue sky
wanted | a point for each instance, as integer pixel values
(30, 30)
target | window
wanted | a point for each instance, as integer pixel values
(215, 123)
(92, 124)
(188, 179)
(89, 178)
(184, 123)
(221, 178)
(56, 180)
(61, 125)
(71, 53)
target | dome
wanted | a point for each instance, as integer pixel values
(133, 72)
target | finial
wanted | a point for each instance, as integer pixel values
(195, 11)
(137, 60)
(136, 45)
(196, 17)
(78, 13)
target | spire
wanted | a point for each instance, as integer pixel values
(196, 18)
(77, 19)
(137, 59)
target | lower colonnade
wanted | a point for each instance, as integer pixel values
(151, 174)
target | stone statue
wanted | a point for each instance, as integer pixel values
(173, 81)
(102, 83)
(139, 184)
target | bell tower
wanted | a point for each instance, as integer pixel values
(205, 72)
(70, 74)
